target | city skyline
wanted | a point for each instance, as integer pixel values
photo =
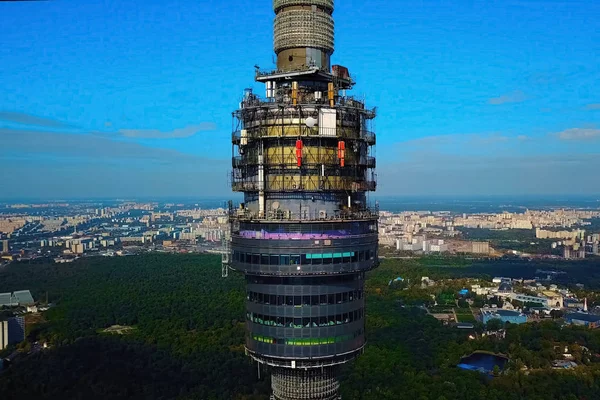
(474, 99)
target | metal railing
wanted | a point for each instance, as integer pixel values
(238, 162)
(293, 131)
(317, 185)
(364, 186)
(278, 165)
(278, 4)
(370, 163)
(285, 101)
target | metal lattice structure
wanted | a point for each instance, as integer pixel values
(305, 384)
(304, 236)
(291, 27)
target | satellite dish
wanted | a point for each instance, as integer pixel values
(275, 205)
(310, 122)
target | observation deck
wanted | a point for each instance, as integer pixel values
(304, 73)
(279, 131)
(306, 101)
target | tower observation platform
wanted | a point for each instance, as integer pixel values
(303, 155)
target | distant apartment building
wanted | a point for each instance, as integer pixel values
(78, 248)
(160, 215)
(107, 242)
(572, 235)
(404, 246)
(480, 247)
(574, 252)
(10, 225)
(133, 239)
(211, 235)
(191, 236)
(567, 253)
(411, 243)
(521, 224)
(434, 246)
(5, 247)
(419, 243)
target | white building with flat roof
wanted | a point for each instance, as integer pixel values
(554, 302)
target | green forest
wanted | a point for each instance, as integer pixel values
(187, 341)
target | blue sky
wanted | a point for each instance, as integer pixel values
(134, 98)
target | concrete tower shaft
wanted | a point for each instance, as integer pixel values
(303, 33)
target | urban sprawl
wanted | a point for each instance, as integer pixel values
(65, 232)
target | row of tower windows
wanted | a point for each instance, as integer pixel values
(304, 259)
(346, 228)
(307, 341)
(305, 322)
(304, 281)
(304, 301)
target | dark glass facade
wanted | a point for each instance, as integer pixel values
(305, 299)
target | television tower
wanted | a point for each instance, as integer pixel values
(304, 235)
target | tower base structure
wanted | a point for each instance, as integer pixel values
(312, 384)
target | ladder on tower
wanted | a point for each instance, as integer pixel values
(225, 256)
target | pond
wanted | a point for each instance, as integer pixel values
(482, 362)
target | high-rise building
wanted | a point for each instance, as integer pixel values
(3, 334)
(304, 235)
(567, 252)
(480, 247)
(12, 331)
(16, 330)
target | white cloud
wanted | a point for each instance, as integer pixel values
(86, 146)
(513, 97)
(75, 165)
(440, 174)
(28, 119)
(188, 131)
(487, 164)
(473, 138)
(579, 134)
